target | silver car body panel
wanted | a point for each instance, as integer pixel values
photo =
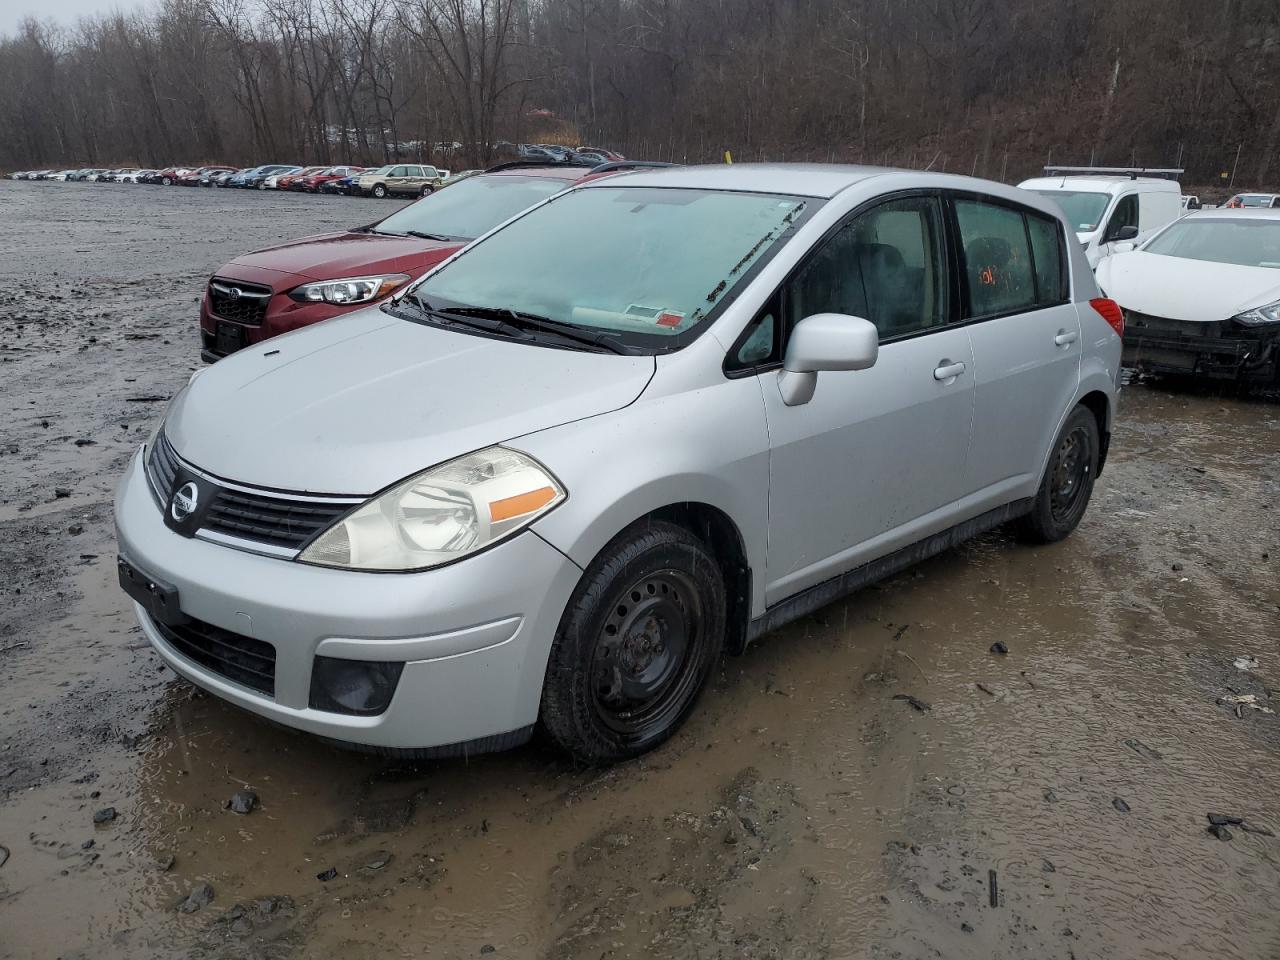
(877, 460)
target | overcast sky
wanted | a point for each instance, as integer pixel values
(64, 11)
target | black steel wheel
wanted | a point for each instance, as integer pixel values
(1067, 484)
(636, 644)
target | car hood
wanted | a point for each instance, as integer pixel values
(1182, 289)
(355, 404)
(334, 255)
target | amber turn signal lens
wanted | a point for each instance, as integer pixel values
(519, 505)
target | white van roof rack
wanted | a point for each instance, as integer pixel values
(1168, 173)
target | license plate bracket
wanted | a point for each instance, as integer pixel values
(228, 338)
(160, 599)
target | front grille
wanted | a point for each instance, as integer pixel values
(273, 520)
(241, 302)
(162, 467)
(246, 514)
(243, 660)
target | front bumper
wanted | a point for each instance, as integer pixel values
(1223, 350)
(220, 337)
(474, 635)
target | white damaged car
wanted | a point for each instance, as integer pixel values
(1202, 297)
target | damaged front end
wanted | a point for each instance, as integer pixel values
(1218, 350)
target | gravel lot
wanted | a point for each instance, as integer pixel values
(1050, 803)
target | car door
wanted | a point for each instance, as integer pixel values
(873, 460)
(1026, 339)
(413, 180)
(395, 178)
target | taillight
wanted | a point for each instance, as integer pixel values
(1110, 311)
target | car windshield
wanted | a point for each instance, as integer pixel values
(471, 207)
(650, 263)
(1084, 210)
(1247, 243)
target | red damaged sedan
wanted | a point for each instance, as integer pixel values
(282, 288)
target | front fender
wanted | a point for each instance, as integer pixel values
(707, 445)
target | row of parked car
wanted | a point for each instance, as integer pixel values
(346, 179)
(392, 179)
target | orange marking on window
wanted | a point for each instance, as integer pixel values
(987, 276)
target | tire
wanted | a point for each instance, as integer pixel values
(166, 181)
(426, 190)
(379, 190)
(652, 605)
(1068, 479)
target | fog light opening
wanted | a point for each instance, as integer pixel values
(360, 688)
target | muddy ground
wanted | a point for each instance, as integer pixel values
(803, 811)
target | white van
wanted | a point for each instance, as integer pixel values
(1112, 208)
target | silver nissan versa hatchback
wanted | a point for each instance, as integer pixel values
(639, 424)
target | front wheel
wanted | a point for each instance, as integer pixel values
(1067, 484)
(379, 191)
(636, 645)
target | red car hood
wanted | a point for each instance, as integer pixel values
(335, 255)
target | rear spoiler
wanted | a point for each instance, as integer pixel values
(1165, 173)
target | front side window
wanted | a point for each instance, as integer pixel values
(398, 172)
(1124, 215)
(655, 263)
(997, 259)
(884, 266)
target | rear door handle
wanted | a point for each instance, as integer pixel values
(947, 370)
(1064, 337)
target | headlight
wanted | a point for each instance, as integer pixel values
(349, 290)
(440, 515)
(1268, 314)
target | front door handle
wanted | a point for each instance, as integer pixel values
(946, 370)
(1065, 337)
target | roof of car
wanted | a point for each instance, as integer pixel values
(550, 170)
(1102, 182)
(1236, 213)
(801, 179)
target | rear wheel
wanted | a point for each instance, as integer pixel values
(166, 181)
(1067, 484)
(426, 191)
(635, 646)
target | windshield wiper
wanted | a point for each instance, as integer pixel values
(534, 323)
(487, 325)
(421, 235)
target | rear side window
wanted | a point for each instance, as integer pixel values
(997, 255)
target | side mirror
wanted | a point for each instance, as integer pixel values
(825, 341)
(1127, 232)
